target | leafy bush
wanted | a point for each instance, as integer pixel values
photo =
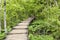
(47, 23)
(40, 37)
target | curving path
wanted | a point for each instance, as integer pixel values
(20, 32)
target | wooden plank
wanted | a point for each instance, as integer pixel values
(21, 27)
(19, 31)
(17, 37)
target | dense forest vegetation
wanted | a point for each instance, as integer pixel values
(46, 25)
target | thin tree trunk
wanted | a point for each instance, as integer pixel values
(0, 14)
(5, 16)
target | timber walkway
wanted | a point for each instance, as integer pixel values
(20, 32)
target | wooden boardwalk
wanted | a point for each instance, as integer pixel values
(20, 32)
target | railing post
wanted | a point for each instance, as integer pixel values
(0, 13)
(5, 16)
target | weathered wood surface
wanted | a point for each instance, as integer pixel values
(20, 32)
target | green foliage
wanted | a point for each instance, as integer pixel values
(40, 37)
(2, 36)
(46, 12)
(47, 23)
